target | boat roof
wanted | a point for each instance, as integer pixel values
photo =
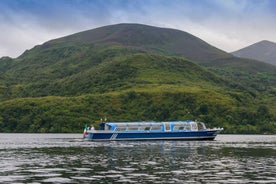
(149, 123)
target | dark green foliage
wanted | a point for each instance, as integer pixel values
(134, 73)
(69, 114)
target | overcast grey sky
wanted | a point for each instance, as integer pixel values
(226, 24)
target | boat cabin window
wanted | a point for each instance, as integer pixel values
(181, 126)
(147, 128)
(108, 127)
(156, 127)
(132, 128)
(188, 127)
(203, 127)
(194, 126)
(167, 126)
(177, 127)
(120, 129)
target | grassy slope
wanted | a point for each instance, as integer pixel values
(99, 69)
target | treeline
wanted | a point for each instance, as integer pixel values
(70, 114)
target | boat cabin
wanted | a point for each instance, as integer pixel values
(173, 126)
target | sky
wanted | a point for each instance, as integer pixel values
(226, 24)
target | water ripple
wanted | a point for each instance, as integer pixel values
(63, 158)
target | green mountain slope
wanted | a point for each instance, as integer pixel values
(131, 72)
(162, 41)
(105, 69)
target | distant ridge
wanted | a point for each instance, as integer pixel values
(263, 51)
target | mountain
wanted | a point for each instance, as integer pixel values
(147, 38)
(134, 72)
(63, 64)
(263, 51)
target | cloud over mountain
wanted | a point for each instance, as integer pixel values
(228, 25)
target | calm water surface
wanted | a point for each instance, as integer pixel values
(65, 158)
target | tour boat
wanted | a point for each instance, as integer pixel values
(172, 130)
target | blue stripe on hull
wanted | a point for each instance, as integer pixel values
(200, 135)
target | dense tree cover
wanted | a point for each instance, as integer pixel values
(134, 86)
(66, 83)
(70, 114)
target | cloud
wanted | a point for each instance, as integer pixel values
(228, 25)
(23, 27)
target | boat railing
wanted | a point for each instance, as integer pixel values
(151, 130)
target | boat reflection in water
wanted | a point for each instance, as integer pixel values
(173, 130)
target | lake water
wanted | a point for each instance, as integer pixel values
(65, 158)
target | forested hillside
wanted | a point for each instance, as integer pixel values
(132, 72)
